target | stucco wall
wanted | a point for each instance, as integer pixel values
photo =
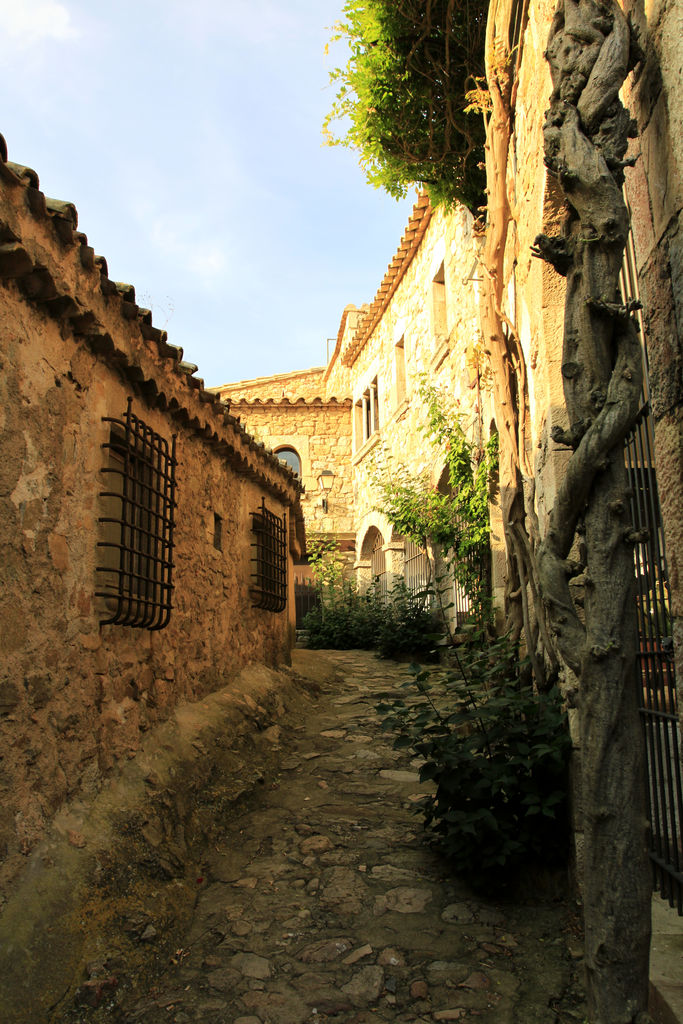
(76, 696)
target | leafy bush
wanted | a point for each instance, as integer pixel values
(344, 619)
(393, 625)
(407, 626)
(498, 757)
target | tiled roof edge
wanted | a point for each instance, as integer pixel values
(239, 403)
(176, 391)
(410, 243)
(273, 377)
(340, 336)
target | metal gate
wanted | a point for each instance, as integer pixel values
(657, 685)
(378, 565)
(306, 598)
(416, 571)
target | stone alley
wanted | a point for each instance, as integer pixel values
(323, 901)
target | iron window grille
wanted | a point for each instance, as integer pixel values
(136, 550)
(269, 560)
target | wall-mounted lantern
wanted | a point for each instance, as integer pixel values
(325, 481)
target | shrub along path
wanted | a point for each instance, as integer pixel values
(323, 902)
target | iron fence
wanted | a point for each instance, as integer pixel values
(471, 580)
(416, 569)
(656, 683)
(657, 689)
(378, 567)
(306, 598)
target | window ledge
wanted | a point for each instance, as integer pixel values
(400, 410)
(367, 447)
(440, 354)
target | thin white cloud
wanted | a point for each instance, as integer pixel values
(184, 245)
(265, 23)
(208, 262)
(27, 23)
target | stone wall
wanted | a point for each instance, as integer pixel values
(535, 293)
(425, 324)
(76, 696)
(306, 384)
(655, 194)
(320, 432)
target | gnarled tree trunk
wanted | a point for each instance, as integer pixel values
(524, 611)
(586, 132)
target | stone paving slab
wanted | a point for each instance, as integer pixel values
(324, 902)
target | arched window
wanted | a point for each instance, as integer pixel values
(291, 457)
(373, 550)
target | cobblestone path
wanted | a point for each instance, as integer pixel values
(324, 903)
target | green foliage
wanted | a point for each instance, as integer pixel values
(407, 626)
(344, 620)
(497, 756)
(326, 565)
(404, 93)
(392, 624)
(457, 522)
(469, 469)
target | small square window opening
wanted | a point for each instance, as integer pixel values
(439, 311)
(217, 532)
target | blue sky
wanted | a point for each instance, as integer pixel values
(188, 135)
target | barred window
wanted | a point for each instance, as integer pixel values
(136, 550)
(269, 560)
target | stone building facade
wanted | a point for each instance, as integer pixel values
(116, 463)
(535, 292)
(365, 408)
(422, 325)
(424, 320)
(307, 425)
(76, 695)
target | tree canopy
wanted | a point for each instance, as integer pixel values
(402, 98)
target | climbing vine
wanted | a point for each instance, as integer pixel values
(325, 561)
(394, 105)
(456, 522)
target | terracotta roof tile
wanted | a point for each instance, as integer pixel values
(176, 389)
(408, 246)
(242, 403)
